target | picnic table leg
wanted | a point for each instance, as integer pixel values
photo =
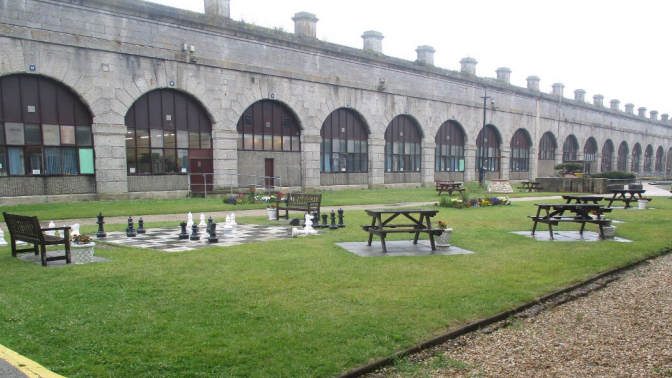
(583, 225)
(534, 228)
(601, 231)
(373, 225)
(382, 241)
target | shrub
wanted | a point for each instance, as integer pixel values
(231, 200)
(570, 167)
(614, 175)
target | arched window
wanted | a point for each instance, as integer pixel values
(402, 145)
(570, 149)
(607, 156)
(492, 152)
(268, 125)
(163, 127)
(520, 151)
(344, 143)
(622, 162)
(547, 146)
(449, 152)
(636, 157)
(45, 129)
(589, 154)
(659, 159)
(648, 159)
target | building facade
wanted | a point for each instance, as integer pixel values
(128, 99)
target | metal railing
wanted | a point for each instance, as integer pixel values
(242, 181)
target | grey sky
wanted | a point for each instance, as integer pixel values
(614, 48)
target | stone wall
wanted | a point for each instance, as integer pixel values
(42, 186)
(574, 185)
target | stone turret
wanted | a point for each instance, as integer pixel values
(641, 112)
(305, 24)
(654, 114)
(217, 8)
(580, 95)
(504, 74)
(468, 66)
(615, 104)
(426, 54)
(665, 117)
(558, 89)
(598, 100)
(629, 108)
(533, 83)
(373, 41)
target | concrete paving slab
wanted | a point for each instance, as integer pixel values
(56, 263)
(9, 371)
(567, 236)
(400, 248)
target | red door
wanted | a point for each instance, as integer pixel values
(269, 181)
(200, 170)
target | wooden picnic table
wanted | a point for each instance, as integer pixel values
(449, 186)
(530, 186)
(381, 224)
(553, 214)
(627, 196)
(583, 198)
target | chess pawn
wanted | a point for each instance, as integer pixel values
(130, 230)
(184, 234)
(141, 226)
(333, 225)
(53, 232)
(324, 221)
(210, 223)
(190, 220)
(202, 224)
(213, 233)
(194, 232)
(316, 219)
(233, 220)
(340, 218)
(74, 229)
(3, 243)
(227, 225)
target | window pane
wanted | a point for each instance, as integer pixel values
(157, 138)
(67, 134)
(257, 141)
(171, 161)
(144, 161)
(17, 165)
(296, 143)
(131, 163)
(34, 160)
(69, 161)
(182, 160)
(268, 142)
(130, 137)
(351, 163)
(336, 146)
(327, 162)
(52, 158)
(86, 161)
(157, 161)
(2, 133)
(182, 139)
(335, 159)
(52, 135)
(194, 139)
(286, 143)
(142, 138)
(277, 143)
(14, 133)
(3, 161)
(33, 134)
(84, 137)
(206, 139)
(247, 138)
(240, 141)
(169, 139)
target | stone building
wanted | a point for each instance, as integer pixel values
(127, 99)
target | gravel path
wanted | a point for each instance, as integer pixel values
(622, 330)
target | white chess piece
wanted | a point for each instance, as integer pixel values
(202, 225)
(308, 222)
(227, 225)
(53, 232)
(74, 229)
(233, 220)
(190, 221)
(2, 238)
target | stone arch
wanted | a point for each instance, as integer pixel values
(403, 150)
(521, 145)
(450, 139)
(590, 155)
(344, 148)
(658, 168)
(648, 159)
(548, 144)
(607, 156)
(622, 159)
(490, 156)
(636, 158)
(570, 149)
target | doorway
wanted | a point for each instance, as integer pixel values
(269, 181)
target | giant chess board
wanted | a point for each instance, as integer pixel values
(167, 239)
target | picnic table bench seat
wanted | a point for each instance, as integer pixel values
(299, 202)
(27, 229)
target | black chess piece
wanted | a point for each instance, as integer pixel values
(333, 225)
(184, 234)
(194, 232)
(130, 230)
(101, 232)
(340, 218)
(294, 222)
(212, 230)
(141, 226)
(209, 227)
(324, 220)
(316, 219)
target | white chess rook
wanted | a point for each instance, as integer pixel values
(227, 225)
(190, 221)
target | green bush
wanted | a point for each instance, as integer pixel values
(570, 167)
(614, 175)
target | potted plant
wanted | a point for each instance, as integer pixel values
(271, 209)
(443, 240)
(82, 248)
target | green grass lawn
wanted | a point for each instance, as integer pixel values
(292, 308)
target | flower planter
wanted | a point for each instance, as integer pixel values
(82, 253)
(642, 204)
(609, 232)
(272, 213)
(443, 240)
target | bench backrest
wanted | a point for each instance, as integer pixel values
(25, 228)
(303, 199)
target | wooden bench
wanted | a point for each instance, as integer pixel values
(27, 229)
(627, 201)
(299, 202)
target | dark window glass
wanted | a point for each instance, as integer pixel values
(268, 126)
(489, 156)
(449, 152)
(343, 135)
(402, 138)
